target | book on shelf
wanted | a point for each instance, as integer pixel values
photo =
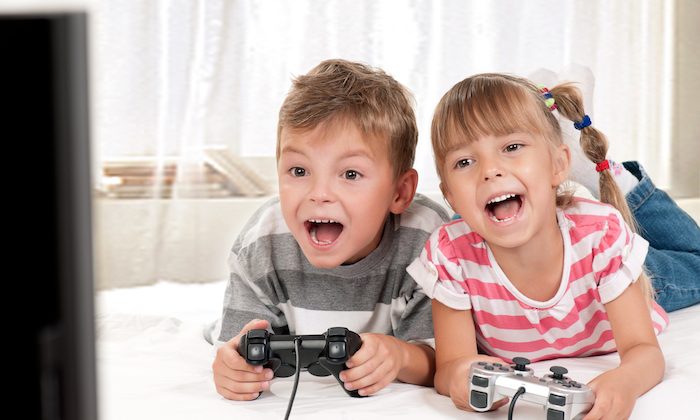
(219, 174)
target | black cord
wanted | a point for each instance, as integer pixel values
(518, 393)
(296, 378)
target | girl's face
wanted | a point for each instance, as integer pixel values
(504, 187)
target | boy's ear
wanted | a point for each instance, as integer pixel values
(405, 191)
(562, 163)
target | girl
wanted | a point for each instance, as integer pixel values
(530, 270)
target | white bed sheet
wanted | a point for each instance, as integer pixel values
(153, 363)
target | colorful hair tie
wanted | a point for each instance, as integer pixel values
(603, 165)
(548, 98)
(585, 122)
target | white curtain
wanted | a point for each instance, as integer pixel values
(174, 75)
(171, 77)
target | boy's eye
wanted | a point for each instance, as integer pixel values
(463, 163)
(350, 174)
(297, 171)
(513, 147)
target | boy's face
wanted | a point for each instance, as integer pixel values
(335, 191)
(504, 187)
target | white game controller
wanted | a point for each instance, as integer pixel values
(561, 397)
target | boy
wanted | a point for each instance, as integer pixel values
(332, 250)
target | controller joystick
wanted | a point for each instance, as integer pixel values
(561, 397)
(320, 355)
(521, 364)
(558, 372)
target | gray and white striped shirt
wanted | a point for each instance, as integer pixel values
(272, 279)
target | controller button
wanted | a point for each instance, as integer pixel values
(481, 363)
(256, 352)
(488, 367)
(479, 399)
(576, 385)
(557, 399)
(497, 364)
(336, 350)
(555, 415)
(567, 385)
(504, 368)
(480, 381)
(257, 334)
(337, 332)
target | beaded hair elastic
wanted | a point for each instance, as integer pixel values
(548, 98)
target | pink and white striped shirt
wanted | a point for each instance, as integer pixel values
(602, 257)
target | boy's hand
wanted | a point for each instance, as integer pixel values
(375, 365)
(459, 385)
(613, 397)
(234, 378)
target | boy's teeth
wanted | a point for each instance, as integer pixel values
(501, 198)
(315, 239)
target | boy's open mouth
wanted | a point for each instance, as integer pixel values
(504, 207)
(323, 231)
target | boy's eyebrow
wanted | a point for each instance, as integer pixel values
(349, 154)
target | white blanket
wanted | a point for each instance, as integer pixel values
(153, 363)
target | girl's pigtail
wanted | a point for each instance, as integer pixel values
(595, 146)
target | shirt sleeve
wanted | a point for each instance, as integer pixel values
(411, 315)
(245, 301)
(618, 258)
(440, 277)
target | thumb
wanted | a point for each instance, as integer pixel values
(256, 324)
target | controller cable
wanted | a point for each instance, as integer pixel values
(518, 393)
(297, 372)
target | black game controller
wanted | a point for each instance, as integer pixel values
(320, 355)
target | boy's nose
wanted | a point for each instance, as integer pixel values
(321, 191)
(492, 172)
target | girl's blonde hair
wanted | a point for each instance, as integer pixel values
(500, 104)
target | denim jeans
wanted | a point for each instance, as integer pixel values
(673, 260)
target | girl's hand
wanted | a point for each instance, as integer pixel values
(614, 398)
(459, 385)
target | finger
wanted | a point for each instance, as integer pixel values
(370, 375)
(500, 403)
(236, 397)
(239, 391)
(361, 370)
(232, 360)
(597, 412)
(255, 324)
(240, 387)
(366, 352)
(376, 387)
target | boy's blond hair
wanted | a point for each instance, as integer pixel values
(499, 104)
(340, 89)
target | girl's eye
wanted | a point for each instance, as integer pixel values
(352, 175)
(297, 171)
(513, 147)
(463, 163)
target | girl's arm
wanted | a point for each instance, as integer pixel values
(641, 361)
(455, 351)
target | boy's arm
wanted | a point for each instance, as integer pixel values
(245, 299)
(642, 363)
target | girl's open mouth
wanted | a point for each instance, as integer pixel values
(323, 231)
(504, 208)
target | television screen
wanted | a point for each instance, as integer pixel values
(45, 140)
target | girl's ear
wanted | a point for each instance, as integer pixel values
(405, 190)
(561, 160)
